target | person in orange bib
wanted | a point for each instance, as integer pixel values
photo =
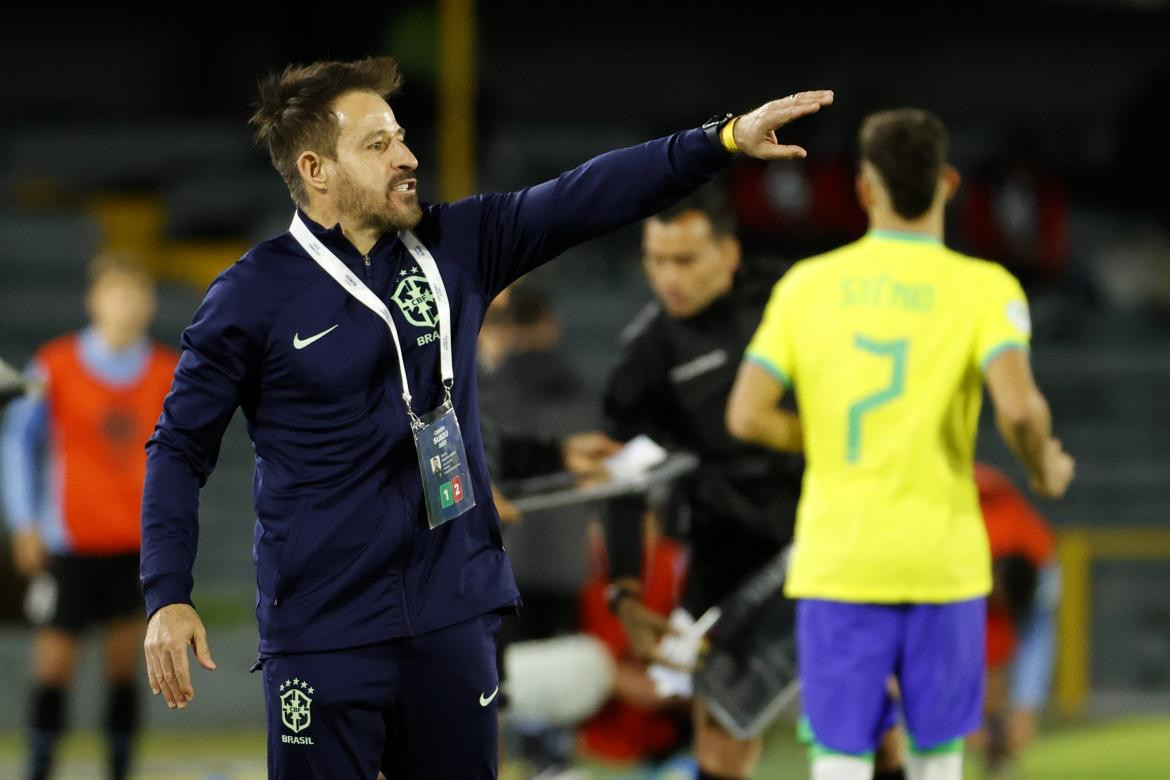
(73, 463)
(1020, 620)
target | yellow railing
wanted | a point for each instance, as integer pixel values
(1078, 550)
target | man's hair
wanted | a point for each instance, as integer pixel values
(293, 109)
(116, 262)
(711, 202)
(908, 147)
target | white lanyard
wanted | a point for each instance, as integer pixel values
(330, 263)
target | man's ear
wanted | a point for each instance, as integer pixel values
(312, 170)
(951, 181)
(864, 189)
(732, 251)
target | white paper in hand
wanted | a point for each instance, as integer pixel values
(640, 454)
(681, 649)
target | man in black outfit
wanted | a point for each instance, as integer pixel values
(679, 361)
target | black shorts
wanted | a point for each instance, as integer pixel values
(80, 591)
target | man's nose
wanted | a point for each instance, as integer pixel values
(406, 160)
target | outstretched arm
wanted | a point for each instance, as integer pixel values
(520, 230)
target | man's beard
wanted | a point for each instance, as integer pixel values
(375, 210)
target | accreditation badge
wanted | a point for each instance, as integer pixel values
(442, 463)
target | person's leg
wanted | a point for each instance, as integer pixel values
(846, 654)
(326, 712)
(942, 678)
(889, 762)
(122, 651)
(445, 721)
(992, 738)
(941, 762)
(1031, 671)
(720, 755)
(55, 650)
(118, 605)
(55, 654)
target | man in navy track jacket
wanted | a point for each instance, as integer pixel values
(376, 631)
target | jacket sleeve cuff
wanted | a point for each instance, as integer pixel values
(703, 156)
(165, 589)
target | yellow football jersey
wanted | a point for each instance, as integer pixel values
(885, 342)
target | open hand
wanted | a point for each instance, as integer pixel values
(755, 132)
(585, 453)
(509, 513)
(644, 627)
(170, 632)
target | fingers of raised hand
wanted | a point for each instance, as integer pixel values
(759, 131)
(781, 112)
(782, 152)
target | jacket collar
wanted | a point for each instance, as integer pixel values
(335, 239)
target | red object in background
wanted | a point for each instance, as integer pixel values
(1013, 528)
(1019, 217)
(624, 731)
(809, 200)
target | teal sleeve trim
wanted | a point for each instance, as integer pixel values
(999, 349)
(771, 368)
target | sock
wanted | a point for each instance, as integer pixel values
(890, 774)
(121, 726)
(944, 762)
(47, 721)
(837, 766)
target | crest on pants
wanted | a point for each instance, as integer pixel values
(295, 705)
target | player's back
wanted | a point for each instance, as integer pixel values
(886, 348)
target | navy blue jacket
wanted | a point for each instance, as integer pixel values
(343, 553)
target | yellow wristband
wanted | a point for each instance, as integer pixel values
(727, 136)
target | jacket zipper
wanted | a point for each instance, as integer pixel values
(366, 260)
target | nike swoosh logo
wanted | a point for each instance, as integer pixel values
(299, 343)
(486, 700)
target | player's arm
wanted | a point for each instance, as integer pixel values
(22, 451)
(753, 410)
(218, 350)
(1021, 411)
(520, 230)
(1025, 422)
(767, 371)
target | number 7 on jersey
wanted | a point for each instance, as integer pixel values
(896, 352)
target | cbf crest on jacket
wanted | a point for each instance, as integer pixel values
(343, 553)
